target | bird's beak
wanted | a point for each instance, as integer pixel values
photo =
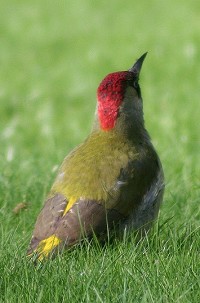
(138, 65)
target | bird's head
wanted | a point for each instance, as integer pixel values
(119, 98)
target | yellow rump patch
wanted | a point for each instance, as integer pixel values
(71, 202)
(46, 246)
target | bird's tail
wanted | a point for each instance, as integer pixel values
(44, 248)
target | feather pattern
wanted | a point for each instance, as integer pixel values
(114, 178)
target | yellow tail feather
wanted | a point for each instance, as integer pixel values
(71, 202)
(46, 246)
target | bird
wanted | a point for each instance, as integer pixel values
(113, 180)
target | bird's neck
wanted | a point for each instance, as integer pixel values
(129, 122)
(131, 130)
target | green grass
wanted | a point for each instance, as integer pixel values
(53, 56)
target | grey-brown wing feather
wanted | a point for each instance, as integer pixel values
(138, 189)
(48, 219)
(83, 219)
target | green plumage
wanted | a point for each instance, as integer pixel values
(91, 170)
(114, 177)
(105, 166)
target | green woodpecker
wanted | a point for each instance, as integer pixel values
(114, 178)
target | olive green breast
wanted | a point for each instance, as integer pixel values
(91, 170)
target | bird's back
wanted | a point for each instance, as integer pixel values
(114, 177)
(91, 170)
(103, 181)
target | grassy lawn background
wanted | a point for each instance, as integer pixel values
(52, 57)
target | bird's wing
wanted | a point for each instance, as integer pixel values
(47, 220)
(64, 220)
(55, 225)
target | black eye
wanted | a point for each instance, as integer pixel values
(135, 84)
